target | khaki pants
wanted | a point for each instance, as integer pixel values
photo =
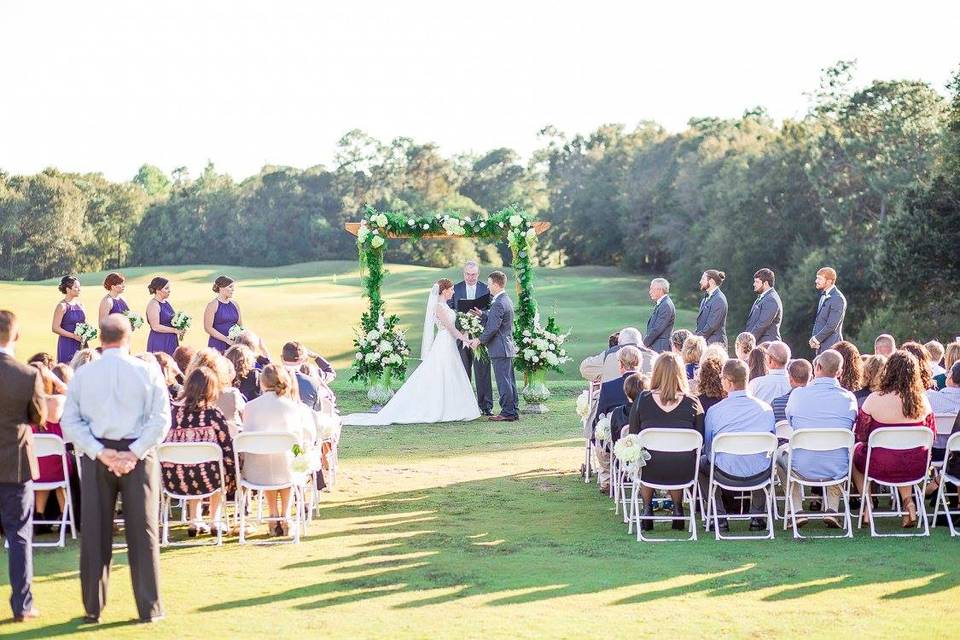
(831, 494)
(603, 466)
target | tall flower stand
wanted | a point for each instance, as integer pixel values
(535, 393)
(380, 391)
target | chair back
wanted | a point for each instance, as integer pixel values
(189, 452)
(264, 443)
(48, 444)
(953, 443)
(945, 423)
(822, 439)
(745, 444)
(899, 438)
(674, 440)
(784, 430)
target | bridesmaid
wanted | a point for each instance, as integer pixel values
(66, 317)
(221, 314)
(163, 337)
(114, 283)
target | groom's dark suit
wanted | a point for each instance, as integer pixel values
(498, 337)
(477, 369)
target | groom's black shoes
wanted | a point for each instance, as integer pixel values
(503, 418)
(487, 413)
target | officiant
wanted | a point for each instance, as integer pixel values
(468, 294)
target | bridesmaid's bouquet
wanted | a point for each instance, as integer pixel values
(86, 332)
(181, 321)
(136, 320)
(235, 332)
(472, 327)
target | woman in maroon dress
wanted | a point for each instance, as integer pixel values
(901, 401)
(51, 467)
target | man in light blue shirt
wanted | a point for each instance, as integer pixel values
(117, 412)
(739, 412)
(775, 383)
(946, 401)
(823, 404)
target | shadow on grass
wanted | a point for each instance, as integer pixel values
(541, 535)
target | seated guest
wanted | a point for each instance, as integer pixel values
(692, 352)
(952, 465)
(253, 342)
(884, 345)
(746, 342)
(757, 364)
(294, 355)
(824, 404)
(171, 373)
(82, 357)
(872, 374)
(63, 372)
(798, 374)
(710, 382)
(851, 377)
(247, 378)
(613, 340)
(935, 348)
(51, 467)
(668, 404)
(612, 395)
(276, 410)
(678, 338)
(182, 355)
(195, 418)
(775, 383)
(229, 400)
(620, 417)
(945, 402)
(325, 393)
(738, 413)
(900, 401)
(951, 355)
(923, 358)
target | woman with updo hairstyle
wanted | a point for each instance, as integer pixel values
(246, 375)
(113, 302)
(66, 316)
(163, 337)
(277, 411)
(221, 314)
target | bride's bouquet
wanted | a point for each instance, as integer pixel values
(472, 327)
(136, 320)
(181, 321)
(86, 332)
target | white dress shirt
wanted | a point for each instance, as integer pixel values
(117, 397)
(471, 291)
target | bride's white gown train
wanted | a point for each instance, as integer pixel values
(438, 390)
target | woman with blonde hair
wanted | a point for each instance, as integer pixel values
(872, 375)
(668, 404)
(277, 410)
(951, 354)
(692, 352)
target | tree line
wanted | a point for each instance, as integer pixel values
(867, 181)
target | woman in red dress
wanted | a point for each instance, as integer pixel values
(900, 401)
(51, 467)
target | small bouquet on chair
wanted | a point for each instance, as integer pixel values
(601, 432)
(235, 332)
(583, 405)
(304, 462)
(181, 321)
(136, 320)
(472, 327)
(86, 333)
(630, 454)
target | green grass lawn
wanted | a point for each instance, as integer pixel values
(486, 530)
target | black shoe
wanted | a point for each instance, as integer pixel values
(151, 619)
(758, 524)
(647, 525)
(678, 525)
(724, 525)
(487, 412)
(91, 619)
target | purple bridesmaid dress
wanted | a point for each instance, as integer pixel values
(66, 347)
(166, 342)
(119, 306)
(226, 316)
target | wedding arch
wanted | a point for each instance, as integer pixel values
(374, 362)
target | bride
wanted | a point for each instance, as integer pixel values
(439, 390)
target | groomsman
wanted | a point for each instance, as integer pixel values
(470, 288)
(767, 310)
(712, 319)
(660, 323)
(831, 307)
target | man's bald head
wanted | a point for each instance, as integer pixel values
(778, 355)
(115, 331)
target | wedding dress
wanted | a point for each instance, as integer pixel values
(438, 390)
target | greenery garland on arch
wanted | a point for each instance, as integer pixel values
(512, 223)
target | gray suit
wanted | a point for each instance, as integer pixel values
(660, 326)
(477, 369)
(712, 319)
(828, 325)
(498, 338)
(765, 317)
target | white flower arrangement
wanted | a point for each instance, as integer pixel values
(583, 404)
(472, 326)
(543, 349)
(362, 233)
(86, 332)
(305, 461)
(377, 241)
(136, 320)
(181, 321)
(453, 226)
(602, 429)
(382, 348)
(531, 235)
(516, 220)
(234, 332)
(380, 220)
(629, 452)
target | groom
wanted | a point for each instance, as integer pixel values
(470, 289)
(498, 338)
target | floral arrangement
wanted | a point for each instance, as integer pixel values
(235, 332)
(329, 427)
(181, 321)
(583, 405)
(304, 461)
(472, 327)
(381, 350)
(136, 320)
(542, 348)
(601, 432)
(86, 332)
(629, 452)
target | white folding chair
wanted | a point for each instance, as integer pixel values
(191, 453)
(49, 444)
(594, 393)
(618, 482)
(266, 443)
(328, 412)
(741, 444)
(898, 439)
(676, 441)
(953, 447)
(944, 422)
(819, 440)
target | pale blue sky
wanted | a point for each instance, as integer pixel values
(105, 86)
